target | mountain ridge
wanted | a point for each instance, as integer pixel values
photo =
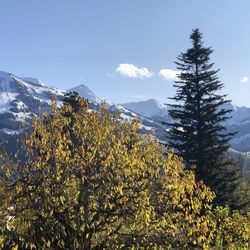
(148, 108)
(22, 98)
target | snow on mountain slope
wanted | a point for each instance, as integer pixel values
(12, 86)
(33, 81)
(21, 99)
(239, 121)
(238, 114)
(86, 93)
(148, 108)
(148, 125)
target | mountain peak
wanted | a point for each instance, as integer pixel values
(3, 73)
(33, 81)
(148, 108)
(86, 93)
(82, 86)
(151, 100)
(5, 77)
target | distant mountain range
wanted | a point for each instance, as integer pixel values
(22, 98)
(239, 121)
(149, 108)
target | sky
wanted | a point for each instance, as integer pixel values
(123, 50)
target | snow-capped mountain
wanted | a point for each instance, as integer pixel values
(148, 125)
(86, 93)
(22, 98)
(148, 108)
(239, 114)
(239, 121)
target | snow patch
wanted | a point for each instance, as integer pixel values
(11, 131)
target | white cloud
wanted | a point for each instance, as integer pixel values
(132, 71)
(168, 74)
(244, 79)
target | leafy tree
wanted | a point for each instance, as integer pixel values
(232, 230)
(198, 131)
(112, 188)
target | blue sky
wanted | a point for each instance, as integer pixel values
(117, 48)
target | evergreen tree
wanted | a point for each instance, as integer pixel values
(198, 131)
(73, 99)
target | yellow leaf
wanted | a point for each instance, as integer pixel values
(15, 247)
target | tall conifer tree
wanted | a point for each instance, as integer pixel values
(198, 131)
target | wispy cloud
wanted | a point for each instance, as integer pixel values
(244, 79)
(168, 74)
(132, 71)
(110, 74)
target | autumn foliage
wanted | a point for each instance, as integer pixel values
(93, 182)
